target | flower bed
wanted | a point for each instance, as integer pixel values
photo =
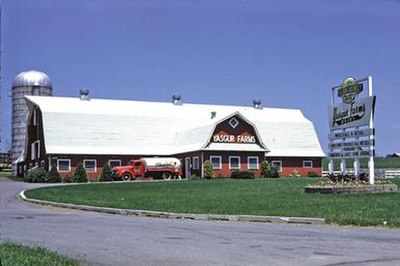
(355, 188)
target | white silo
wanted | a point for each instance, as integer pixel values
(30, 82)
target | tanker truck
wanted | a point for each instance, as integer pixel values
(157, 168)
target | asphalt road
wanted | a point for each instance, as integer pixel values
(106, 239)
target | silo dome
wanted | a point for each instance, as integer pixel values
(31, 78)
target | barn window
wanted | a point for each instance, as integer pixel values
(216, 162)
(113, 163)
(34, 117)
(90, 165)
(64, 165)
(233, 122)
(35, 150)
(234, 162)
(278, 165)
(196, 163)
(252, 163)
(307, 164)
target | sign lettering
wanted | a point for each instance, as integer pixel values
(351, 115)
(226, 138)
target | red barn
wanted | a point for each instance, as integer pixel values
(65, 131)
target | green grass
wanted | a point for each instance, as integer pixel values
(277, 197)
(8, 174)
(380, 163)
(20, 255)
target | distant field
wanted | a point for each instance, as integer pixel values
(277, 197)
(380, 163)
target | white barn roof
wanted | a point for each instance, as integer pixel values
(96, 126)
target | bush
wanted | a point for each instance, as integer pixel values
(36, 175)
(295, 173)
(242, 175)
(208, 170)
(80, 174)
(268, 170)
(363, 177)
(106, 174)
(312, 174)
(53, 176)
(67, 179)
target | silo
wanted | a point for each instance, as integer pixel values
(30, 82)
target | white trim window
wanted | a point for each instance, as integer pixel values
(113, 162)
(35, 150)
(196, 163)
(307, 164)
(252, 163)
(90, 165)
(234, 162)
(278, 165)
(34, 116)
(216, 162)
(64, 165)
(233, 122)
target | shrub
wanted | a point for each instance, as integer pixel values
(312, 174)
(36, 175)
(363, 177)
(67, 179)
(106, 174)
(80, 174)
(268, 170)
(53, 176)
(208, 170)
(242, 175)
(294, 173)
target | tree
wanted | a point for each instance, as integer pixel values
(268, 170)
(36, 175)
(53, 176)
(208, 170)
(105, 175)
(80, 174)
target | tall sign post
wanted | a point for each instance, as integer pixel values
(351, 124)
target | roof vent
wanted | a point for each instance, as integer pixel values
(176, 99)
(213, 114)
(257, 104)
(84, 94)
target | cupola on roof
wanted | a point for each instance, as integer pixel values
(32, 78)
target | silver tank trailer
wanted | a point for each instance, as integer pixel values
(30, 82)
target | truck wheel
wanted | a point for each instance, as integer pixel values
(166, 176)
(126, 177)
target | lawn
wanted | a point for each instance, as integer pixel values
(20, 255)
(275, 197)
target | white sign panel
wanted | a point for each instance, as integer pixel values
(351, 134)
(355, 114)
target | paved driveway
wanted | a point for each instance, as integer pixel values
(105, 239)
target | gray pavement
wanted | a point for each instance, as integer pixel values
(106, 239)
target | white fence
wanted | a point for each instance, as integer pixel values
(380, 173)
(392, 173)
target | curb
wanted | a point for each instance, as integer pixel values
(180, 216)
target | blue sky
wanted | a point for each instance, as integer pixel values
(288, 53)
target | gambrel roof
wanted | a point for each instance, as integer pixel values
(121, 127)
